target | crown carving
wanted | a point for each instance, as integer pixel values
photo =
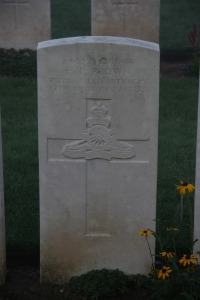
(99, 111)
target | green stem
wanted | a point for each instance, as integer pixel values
(181, 208)
(150, 253)
(174, 244)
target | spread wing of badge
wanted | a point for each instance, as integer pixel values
(98, 140)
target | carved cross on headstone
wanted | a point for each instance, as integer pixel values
(125, 5)
(15, 4)
(98, 148)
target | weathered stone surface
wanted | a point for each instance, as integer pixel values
(138, 19)
(197, 184)
(24, 23)
(98, 123)
(2, 221)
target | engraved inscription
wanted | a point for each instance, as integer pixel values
(15, 3)
(125, 5)
(92, 61)
(98, 73)
(126, 2)
(100, 83)
(98, 139)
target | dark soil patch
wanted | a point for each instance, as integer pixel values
(23, 283)
(177, 69)
(174, 66)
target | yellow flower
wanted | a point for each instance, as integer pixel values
(191, 188)
(169, 254)
(164, 272)
(188, 259)
(172, 229)
(145, 232)
(185, 188)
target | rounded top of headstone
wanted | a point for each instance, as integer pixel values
(99, 40)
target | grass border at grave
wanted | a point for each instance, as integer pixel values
(177, 150)
(20, 156)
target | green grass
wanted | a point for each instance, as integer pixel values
(177, 151)
(176, 20)
(19, 129)
(70, 18)
(177, 130)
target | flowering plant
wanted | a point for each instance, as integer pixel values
(173, 273)
(184, 189)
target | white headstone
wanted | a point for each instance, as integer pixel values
(138, 19)
(2, 221)
(197, 184)
(24, 23)
(98, 123)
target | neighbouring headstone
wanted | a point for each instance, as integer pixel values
(24, 23)
(197, 184)
(138, 19)
(2, 221)
(98, 123)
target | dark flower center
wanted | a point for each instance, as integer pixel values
(187, 256)
(164, 271)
